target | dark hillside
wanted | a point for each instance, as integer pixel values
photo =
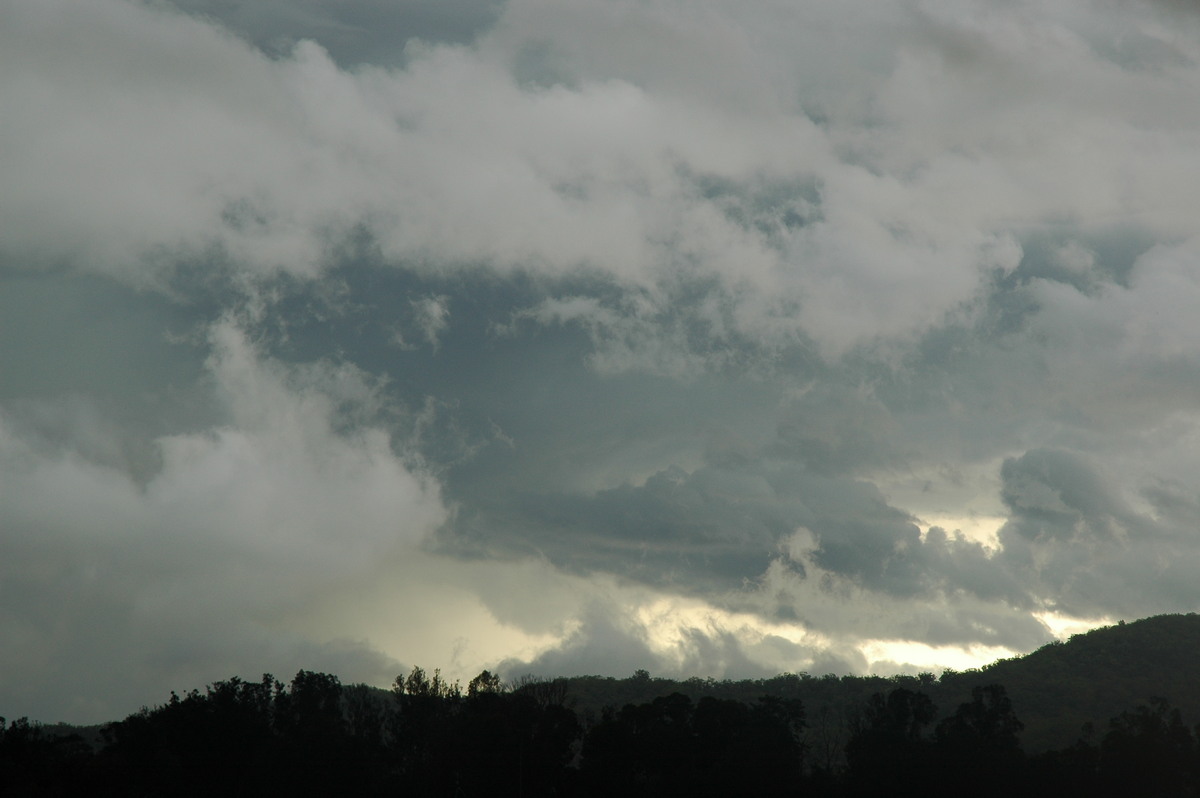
(1093, 677)
(1055, 690)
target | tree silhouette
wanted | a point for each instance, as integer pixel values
(887, 754)
(718, 747)
(1148, 751)
(978, 749)
(485, 682)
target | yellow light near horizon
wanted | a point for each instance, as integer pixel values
(439, 621)
(1063, 626)
(448, 623)
(667, 618)
(890, 653)
(888, 657)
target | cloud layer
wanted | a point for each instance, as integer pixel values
(716, 338)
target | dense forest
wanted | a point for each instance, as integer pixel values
(1102, 714)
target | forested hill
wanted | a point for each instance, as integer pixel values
(1093, 677)
(1055, 690)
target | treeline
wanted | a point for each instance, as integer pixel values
(1055, 690)
(429, 737)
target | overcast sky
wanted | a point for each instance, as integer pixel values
(712, 337)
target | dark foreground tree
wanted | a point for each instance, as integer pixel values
(888, 753)
(1149, 752)
(719, 747)
(221, 740)
(978, 751)
(35, 763)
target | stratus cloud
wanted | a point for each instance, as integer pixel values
(207, 569)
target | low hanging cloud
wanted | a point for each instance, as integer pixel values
(1090, 550)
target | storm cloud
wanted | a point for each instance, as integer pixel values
(715, 338)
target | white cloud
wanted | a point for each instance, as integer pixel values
(218, 554)
(135, 136)
(144, 137)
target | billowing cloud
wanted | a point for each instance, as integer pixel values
(206, 564)
(715, 338)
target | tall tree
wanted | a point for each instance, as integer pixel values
(887, 753)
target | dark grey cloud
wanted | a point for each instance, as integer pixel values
(96, 366)
(1075, 534)
(1056, 495)
(355, 32)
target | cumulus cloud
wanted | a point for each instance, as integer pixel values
(452, 160)
(200, 570)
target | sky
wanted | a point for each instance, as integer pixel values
(718, 338)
